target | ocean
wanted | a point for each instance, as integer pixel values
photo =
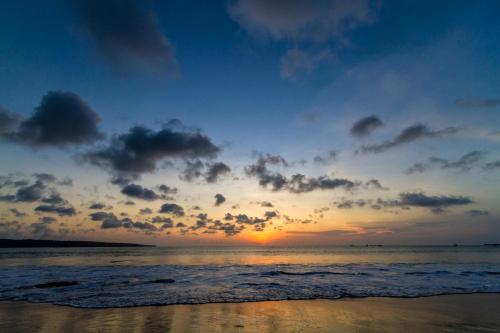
(125, 277)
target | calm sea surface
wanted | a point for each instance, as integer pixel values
(117, 277)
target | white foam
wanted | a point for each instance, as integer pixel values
(122, 286)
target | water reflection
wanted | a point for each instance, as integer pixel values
(248, 255)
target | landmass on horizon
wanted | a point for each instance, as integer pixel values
(19, 243)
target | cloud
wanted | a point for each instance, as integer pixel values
(130, 155)
(328, 159)
(311, 24)
(492, 165)
(61, 119)
(195, 169)
(41, 230)
(464, 163)
(297, 183)
(477, 212)
(409, 134)
(171, 208)
(365, 126)
(9, 121)
(418, 199)
(348, 204)
(219, 199)
(266, 204)
(29, 193)
(127, 33)
(17, 213)
(145, 211)
(100, 216)
(97, 206)
(376, 185)
(139, 192)
(56, 209)
(216, 171)
(167, 190)
(302, 20)
(487, 103)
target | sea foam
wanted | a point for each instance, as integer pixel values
(124, 286)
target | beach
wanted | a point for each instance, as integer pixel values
(451, 313)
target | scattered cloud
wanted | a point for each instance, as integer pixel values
(464, 163)
(130, 155)
(62, 118)
(327, 159)
(365, 126)
(477, 212)
(128, 34)
(219, 199)
(171, 208)
(409, 134)
(139, 192)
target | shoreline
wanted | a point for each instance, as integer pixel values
(252, 301)
(475, 312)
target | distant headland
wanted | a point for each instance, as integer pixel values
(18, 243)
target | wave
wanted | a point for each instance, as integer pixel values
(125, 286)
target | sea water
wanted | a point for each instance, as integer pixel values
(123, 277)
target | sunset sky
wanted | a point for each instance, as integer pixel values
(250, 122)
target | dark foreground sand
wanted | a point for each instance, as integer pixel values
(464, 313)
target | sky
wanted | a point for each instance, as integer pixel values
(250, 122)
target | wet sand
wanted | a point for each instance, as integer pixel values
(454, 313)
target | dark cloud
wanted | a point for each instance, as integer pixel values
(29, 193)
(215, 171)
(219, 199)
(47, 219)
(300, 184)
(146, 226)
(365, 126)
(145, 211)
(327, 159)
(45, 177)
(266, 204)
(166, 222)
(196, 168)
(193, 170)
(131, 154)
(269, 215)
(56, 209)
(477, 212)
(97, 206)
(348, 204)
(171, 208)
(100, 216)
(418, 199)
(139, 192)
(487, 103)
(9, 121)
(41, 230)
(492, 165)
(297, 183)
(167, 190)
(17, 213)
(61, 119)
(54, 199)
(409, 134)
(464, 163)
(127, 34)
